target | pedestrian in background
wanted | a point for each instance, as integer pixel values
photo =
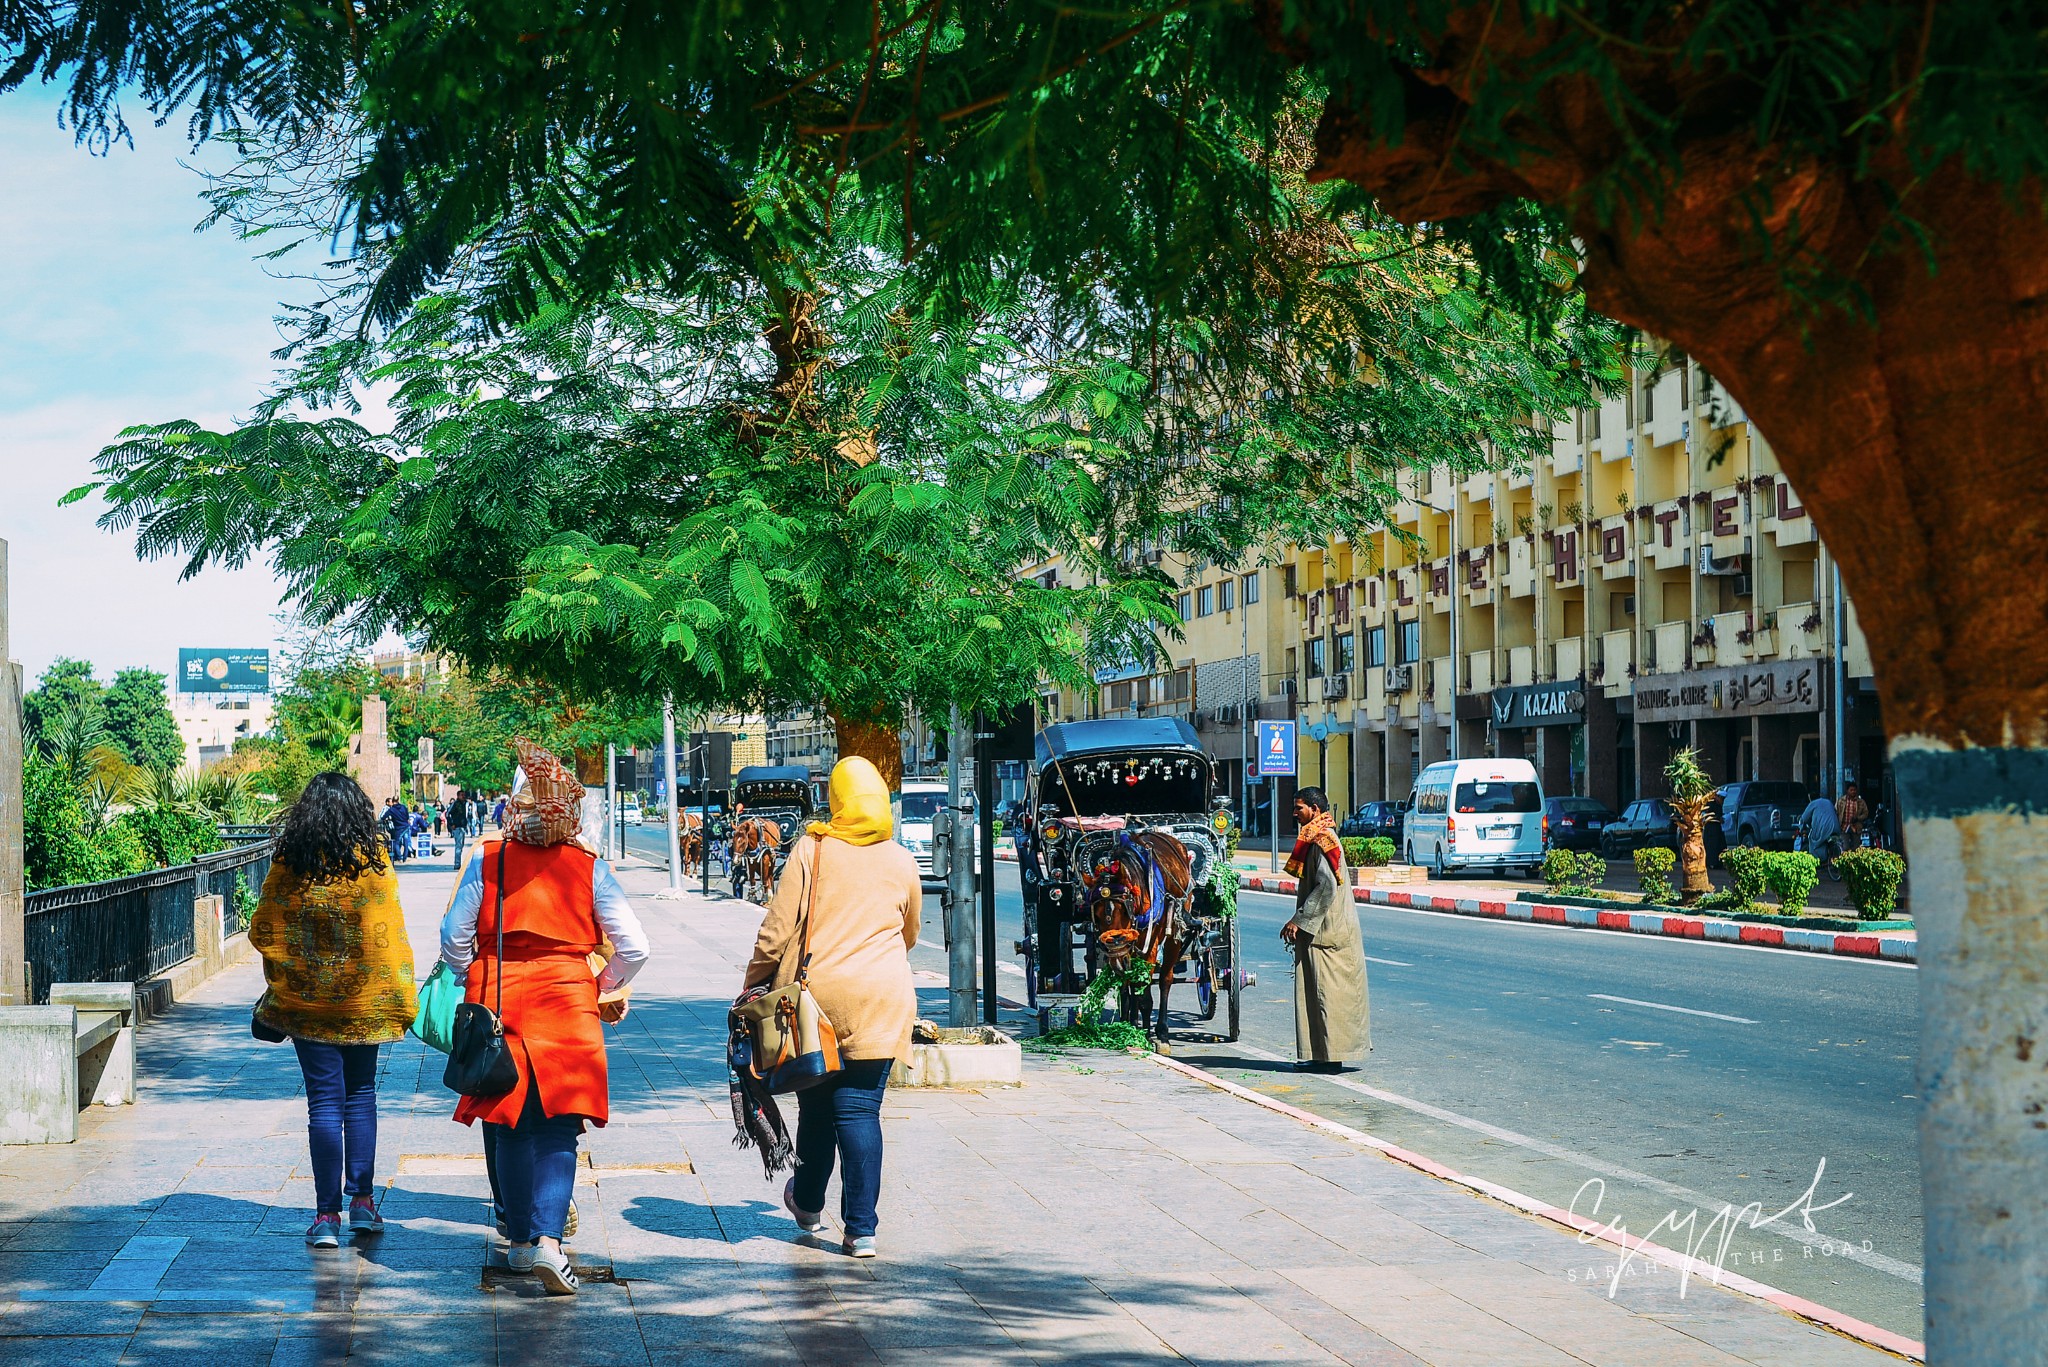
(1332, 1014)
(1820, 833)
(556, 904)
(458, 822)
(397, 824)
(338, 980)
(434, 814)
(860, 893)
(1851, 812)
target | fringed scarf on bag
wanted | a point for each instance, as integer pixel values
(756, 1118)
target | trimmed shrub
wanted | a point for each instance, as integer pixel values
(1747, 868)
(1872, 878)
(1792, 875)
(1354, 850)
(1592, 870)
(1653, 871)
(1379, 852)
(1561, 871)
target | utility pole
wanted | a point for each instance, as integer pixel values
(984, 867)
(611, 792)
(14, 986)
(958, 899)
(1839, 703)
(674, 804)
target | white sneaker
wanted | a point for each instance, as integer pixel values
(861, 1247)
(551, 1265)
(519, 1257)
(809, 1221)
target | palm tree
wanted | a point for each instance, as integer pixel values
(1692, 802)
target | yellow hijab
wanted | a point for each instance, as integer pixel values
(860, 805)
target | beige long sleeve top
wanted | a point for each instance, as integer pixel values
(863, 925)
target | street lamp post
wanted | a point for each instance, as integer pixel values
(668, 779)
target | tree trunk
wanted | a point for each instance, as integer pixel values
(1912, 433)
(880, 743)
(1692, 853)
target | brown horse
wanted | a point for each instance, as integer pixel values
(755, 843)
(690, 837)
(1140, 905)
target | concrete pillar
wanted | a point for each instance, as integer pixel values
(13, 873)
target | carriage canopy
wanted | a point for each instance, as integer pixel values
(1149, 766)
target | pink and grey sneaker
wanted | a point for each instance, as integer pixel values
(325, 1231)
(364, 1217)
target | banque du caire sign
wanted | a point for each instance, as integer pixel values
(1744, 691)
(1551, 704)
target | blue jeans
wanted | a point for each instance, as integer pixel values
(843, 1115)
(341, 1119)
(536, 1170)
(460, 835)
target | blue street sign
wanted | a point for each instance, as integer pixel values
(1276, 748)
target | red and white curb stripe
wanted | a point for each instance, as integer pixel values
(1589, 1231)
(1854, 944)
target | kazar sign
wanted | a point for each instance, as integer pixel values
(1554, 704)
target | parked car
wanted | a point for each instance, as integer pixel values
(1761, 813)
(920, 802)
(1476, 814)
(629, 809)
(1376, 818)
(1642, 824)
(1576, 822)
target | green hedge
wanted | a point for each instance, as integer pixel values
(1749, 870)
(1368, 852)
(1572, 872)
(1653, 873)
(1792, 875)
(1872, 878)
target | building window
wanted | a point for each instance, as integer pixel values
(1226, 595)
(1347, 655)
(1250, 584)
(1177, 684)
(1593, 423)
(1119, 696)
(1205, 600)
(1650, 397)
(1316, 657)
(1375, 647)
(1408, 648)
(1187, 609)
(1287, 581)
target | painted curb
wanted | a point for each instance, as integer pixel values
(1852, 944)
(1587, 1230)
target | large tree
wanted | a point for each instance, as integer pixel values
(139, 719)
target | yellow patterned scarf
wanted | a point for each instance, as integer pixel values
(336, 961)
(1319, 832)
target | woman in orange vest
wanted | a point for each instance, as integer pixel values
(560, 903)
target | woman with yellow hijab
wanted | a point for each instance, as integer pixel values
(859, 890)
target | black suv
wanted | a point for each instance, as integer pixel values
(1761, 813)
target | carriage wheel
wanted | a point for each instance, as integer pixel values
(1205, 984)
(1233, 977)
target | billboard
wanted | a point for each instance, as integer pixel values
(222, 671)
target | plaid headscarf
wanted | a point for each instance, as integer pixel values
(549, 809)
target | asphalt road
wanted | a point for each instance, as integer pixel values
(1649, 1083)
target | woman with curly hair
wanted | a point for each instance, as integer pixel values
(338, 969)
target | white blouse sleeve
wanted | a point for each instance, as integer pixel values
(458, 926)
(615, 916)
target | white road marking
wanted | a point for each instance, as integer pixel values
(1394, 963)
(1840, 1247)
(1010, 969)
(1660, 1006)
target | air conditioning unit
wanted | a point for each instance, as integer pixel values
(1400, 678)
(1336, 686)
(1287, 688)
(1227, 714)
(1713, 564)
(1743, 586)
(1628, 605)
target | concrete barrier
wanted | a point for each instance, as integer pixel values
(81, 1044)
(973, 1056)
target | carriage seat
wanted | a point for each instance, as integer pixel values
(1092, 823)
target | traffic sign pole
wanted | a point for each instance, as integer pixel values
(1276, 758)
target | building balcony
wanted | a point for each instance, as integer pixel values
(1479, 595)
(1724, 521)
(1729, 629)
(1667, 532)
(1442, 683)
(1666, 644)
(1479, 667)
(1568, 658)
(1617, 653)
(1609, 547)
(1520, 579)
(1796, 640)
(1521, 666)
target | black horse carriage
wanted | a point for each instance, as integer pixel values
(1103, 799)
(779, 794)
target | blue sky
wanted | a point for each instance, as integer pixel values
(114, 311)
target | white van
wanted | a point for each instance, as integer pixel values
(920, 799)
(1477, 814)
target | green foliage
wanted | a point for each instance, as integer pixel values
(1573, 872)
(1792, 875)
(1872, 878)
(1653, 872)
(1748, 872)
(139, 720)
(66, 688)
(1685, 779)
(171, 836)
(1368, 852)
(63, 842)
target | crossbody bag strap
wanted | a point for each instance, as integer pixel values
(803, 960)
(501, 929)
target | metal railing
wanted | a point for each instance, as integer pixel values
(124, 930)
(129, 929)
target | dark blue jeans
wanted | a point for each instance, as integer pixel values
(536, 1170)
(341, 1119)
(843, 1115)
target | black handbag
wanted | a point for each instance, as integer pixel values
(479, 1061)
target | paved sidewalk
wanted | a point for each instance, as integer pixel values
(1110, 1211)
